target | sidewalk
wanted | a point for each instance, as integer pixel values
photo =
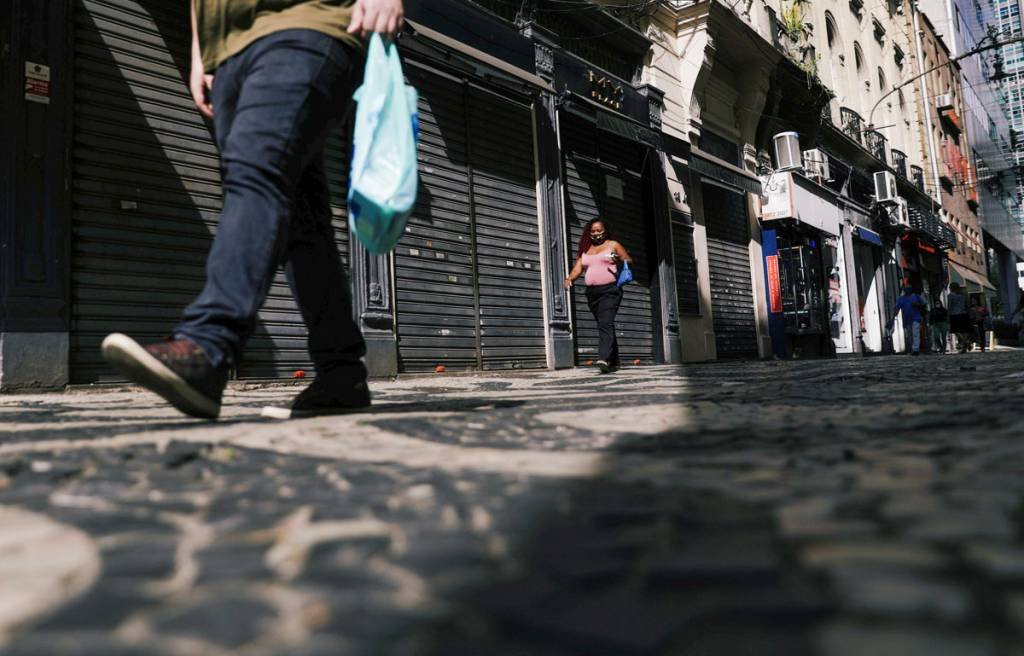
(836, 507)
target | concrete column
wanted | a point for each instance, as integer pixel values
(35, 208)
(1008, 282)
(554, 254)
(374, 308)
(852, 299)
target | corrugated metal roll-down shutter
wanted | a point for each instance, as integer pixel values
(732, 301)
(467, 271)
(147, 192)
(512, 334)
(599, 168)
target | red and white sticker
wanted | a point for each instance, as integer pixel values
(37, 83)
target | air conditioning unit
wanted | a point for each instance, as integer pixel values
(787, 151)
(944, 101)
(885, 187)
(899, 213)
(816, 164)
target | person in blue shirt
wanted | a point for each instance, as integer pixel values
(913, 307)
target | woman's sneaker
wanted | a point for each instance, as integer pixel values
(324, 397)
(176, 369)
(604, 367)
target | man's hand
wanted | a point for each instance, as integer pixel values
(381, 16)
(200, 84)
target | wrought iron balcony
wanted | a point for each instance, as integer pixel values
(930, 225)
(851, 124)
(875, 143)
(899, 163)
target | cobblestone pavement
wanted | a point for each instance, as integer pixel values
(843, 508)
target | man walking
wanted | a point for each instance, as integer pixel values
(912, 306)
(959, 319)
(275, 76)
(938, 317)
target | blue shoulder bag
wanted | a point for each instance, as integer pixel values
(625, 275)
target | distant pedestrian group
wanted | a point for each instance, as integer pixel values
(960, 324)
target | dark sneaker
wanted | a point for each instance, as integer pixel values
(604, 366)
(176, 369)
(324, 398)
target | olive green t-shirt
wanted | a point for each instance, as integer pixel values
(227, 27)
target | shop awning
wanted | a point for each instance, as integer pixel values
(789, 195)
(479, 55)
(968, 278)
(712, 167)
(869, 236)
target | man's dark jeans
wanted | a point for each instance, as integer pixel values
(603, 301)
(274, 105)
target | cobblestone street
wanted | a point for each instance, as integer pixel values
(836, 507)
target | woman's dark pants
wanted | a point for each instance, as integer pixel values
(274, 105)
(604, 303)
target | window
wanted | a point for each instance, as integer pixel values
(858, 57)
(898, 56)
(830, 29)
(882, 86)
(879, 31)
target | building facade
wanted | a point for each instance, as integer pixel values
(965, 26)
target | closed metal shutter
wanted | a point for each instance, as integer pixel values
(597, 163)
(687, 287)
(732, 300)
(507, 238)
(147, 192)
(467, 270)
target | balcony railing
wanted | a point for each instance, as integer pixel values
(932, 227)
(875, 143)
(899, 163)
(851, 123)
(917, 177)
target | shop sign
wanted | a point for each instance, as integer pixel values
(777, 197)
(37, 83)
(774, 284)
(606, 90)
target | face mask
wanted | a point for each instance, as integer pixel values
(597, 238)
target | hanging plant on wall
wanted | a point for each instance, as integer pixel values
(795, 33)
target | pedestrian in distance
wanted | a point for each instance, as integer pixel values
(938, 317)
(913, 308)
(274, 76)
(600, 255)
(979, 321)
(959, 318)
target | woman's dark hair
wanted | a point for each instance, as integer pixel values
(585, 242)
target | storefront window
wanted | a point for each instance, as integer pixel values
(803, 290)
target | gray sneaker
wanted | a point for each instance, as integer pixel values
(176, 369)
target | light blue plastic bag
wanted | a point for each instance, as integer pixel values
(383, 177)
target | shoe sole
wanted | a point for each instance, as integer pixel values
(274, 412)
(135, 363)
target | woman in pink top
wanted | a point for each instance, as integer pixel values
(600, 255)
